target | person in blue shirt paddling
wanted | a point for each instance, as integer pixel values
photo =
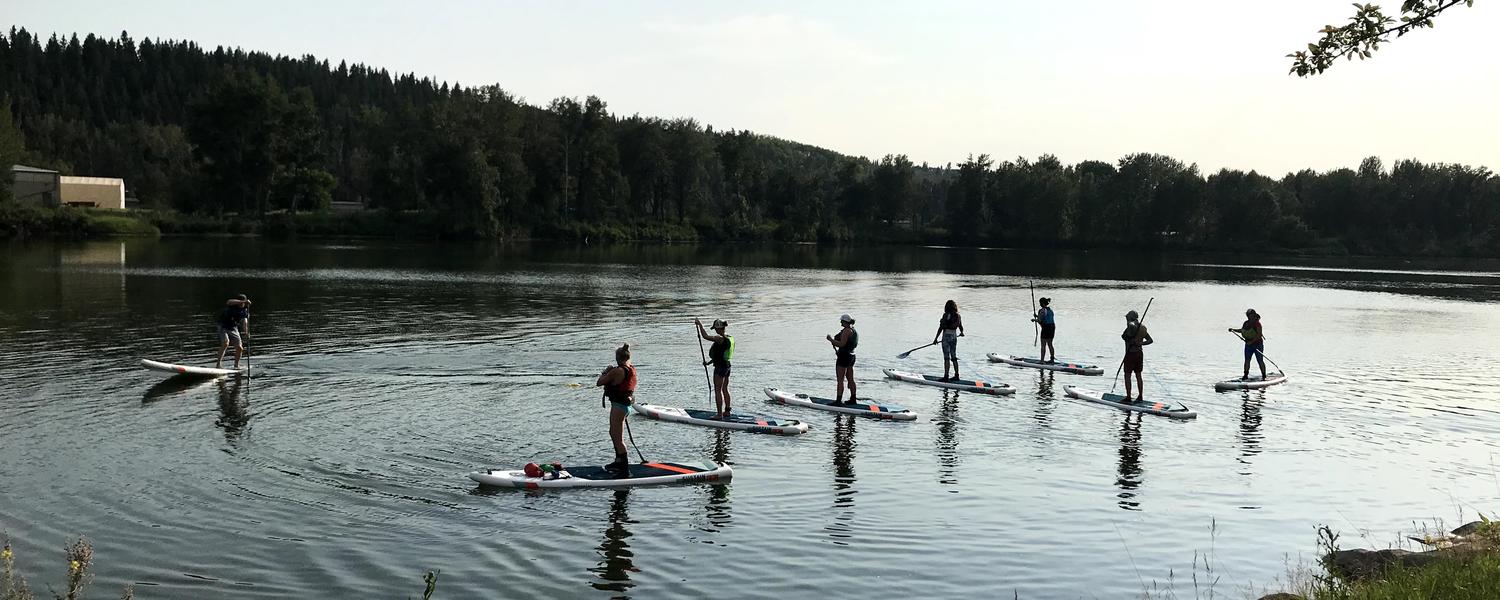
(719, 355)
(1048, 320)
(1255, 342)
(234, 319)
(843, 350)
(950, 328)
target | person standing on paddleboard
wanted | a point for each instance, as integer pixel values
(1048, 320)
(719, 355)
(232, 320)
(950, 327)
(1255, 342)
(1136, 338)
(843, 349)
(619, 382)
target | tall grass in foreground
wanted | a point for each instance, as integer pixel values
(1466, 568)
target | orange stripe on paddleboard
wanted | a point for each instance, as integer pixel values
(874, 408)
(672, 468)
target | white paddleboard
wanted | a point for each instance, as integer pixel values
(967, 385)
(1253, 382)
(657, 473)
(1056, 365)
(863, 408)
(1179, 411)
(735, 421)
(186, 370)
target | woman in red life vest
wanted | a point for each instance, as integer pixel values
(619, 387)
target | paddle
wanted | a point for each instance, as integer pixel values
(1262, 354)
(1035, 326)
(1142, 321)
(903, 355)
(701, 352)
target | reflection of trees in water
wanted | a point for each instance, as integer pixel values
(1130, 461)
(717, 509)
(843, 479)
(947, 438)
(616, 562)
(1046, 399)
(1250, 435)
(232, 404)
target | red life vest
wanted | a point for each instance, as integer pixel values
(624, 391)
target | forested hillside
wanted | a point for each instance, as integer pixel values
(230, 132)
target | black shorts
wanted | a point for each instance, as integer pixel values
(1049, 331)
(844, 360)
(721, 371)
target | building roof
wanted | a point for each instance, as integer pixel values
(26, 169)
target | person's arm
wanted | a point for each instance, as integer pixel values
(245, 326)
(610, 375)
(1146, 337)
(960, 326)
(939, 333)
(839, 340)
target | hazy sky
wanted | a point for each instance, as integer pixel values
(1202, 80)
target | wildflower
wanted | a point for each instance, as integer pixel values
(73, 566)
(6, 554)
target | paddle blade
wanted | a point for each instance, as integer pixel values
(903, 355)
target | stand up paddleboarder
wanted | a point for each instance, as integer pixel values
(843, 350)
(1255, 342)
(950, 328)
(719, 355)
(619, 382)
(1048, 320)
(1136, 338)
(234, 319)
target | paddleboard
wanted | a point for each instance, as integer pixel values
(651, 473)
(1179, 411)
(967, 385)
(736, 421)
(1253, 382)
(862, 407)
(1035, 363)
(186, 370)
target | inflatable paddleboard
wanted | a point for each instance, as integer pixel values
(736, 421)
(863, 408)
(651, 473)
(967, 385)
(1253, 382)
(1179, 411)
(1057, 365)
(186, 370)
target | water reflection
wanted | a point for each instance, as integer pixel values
(174, 386)
(616, 562)
(843, 480)
(947, 439)
(717, 509)
(233, 400)
(1129, 478)
(1046, 398)
(1250, 435)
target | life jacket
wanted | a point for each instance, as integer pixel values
(848, 348)
(1131, 336)
(1046, 317)
(231, 316)
(720, 353)
(623, 392)
(1257, 336)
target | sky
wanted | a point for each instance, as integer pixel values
(1204, 81)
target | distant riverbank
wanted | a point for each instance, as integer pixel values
(79, 223)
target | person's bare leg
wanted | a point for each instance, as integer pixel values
(838, 375)
(616, 433)
(1140, 387)
(849, 372)
(1127, 386)
(223, 347)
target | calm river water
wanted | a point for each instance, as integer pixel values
(384, 372)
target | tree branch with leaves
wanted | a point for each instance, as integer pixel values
(1367, 30)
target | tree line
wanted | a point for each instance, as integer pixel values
(246, 134)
